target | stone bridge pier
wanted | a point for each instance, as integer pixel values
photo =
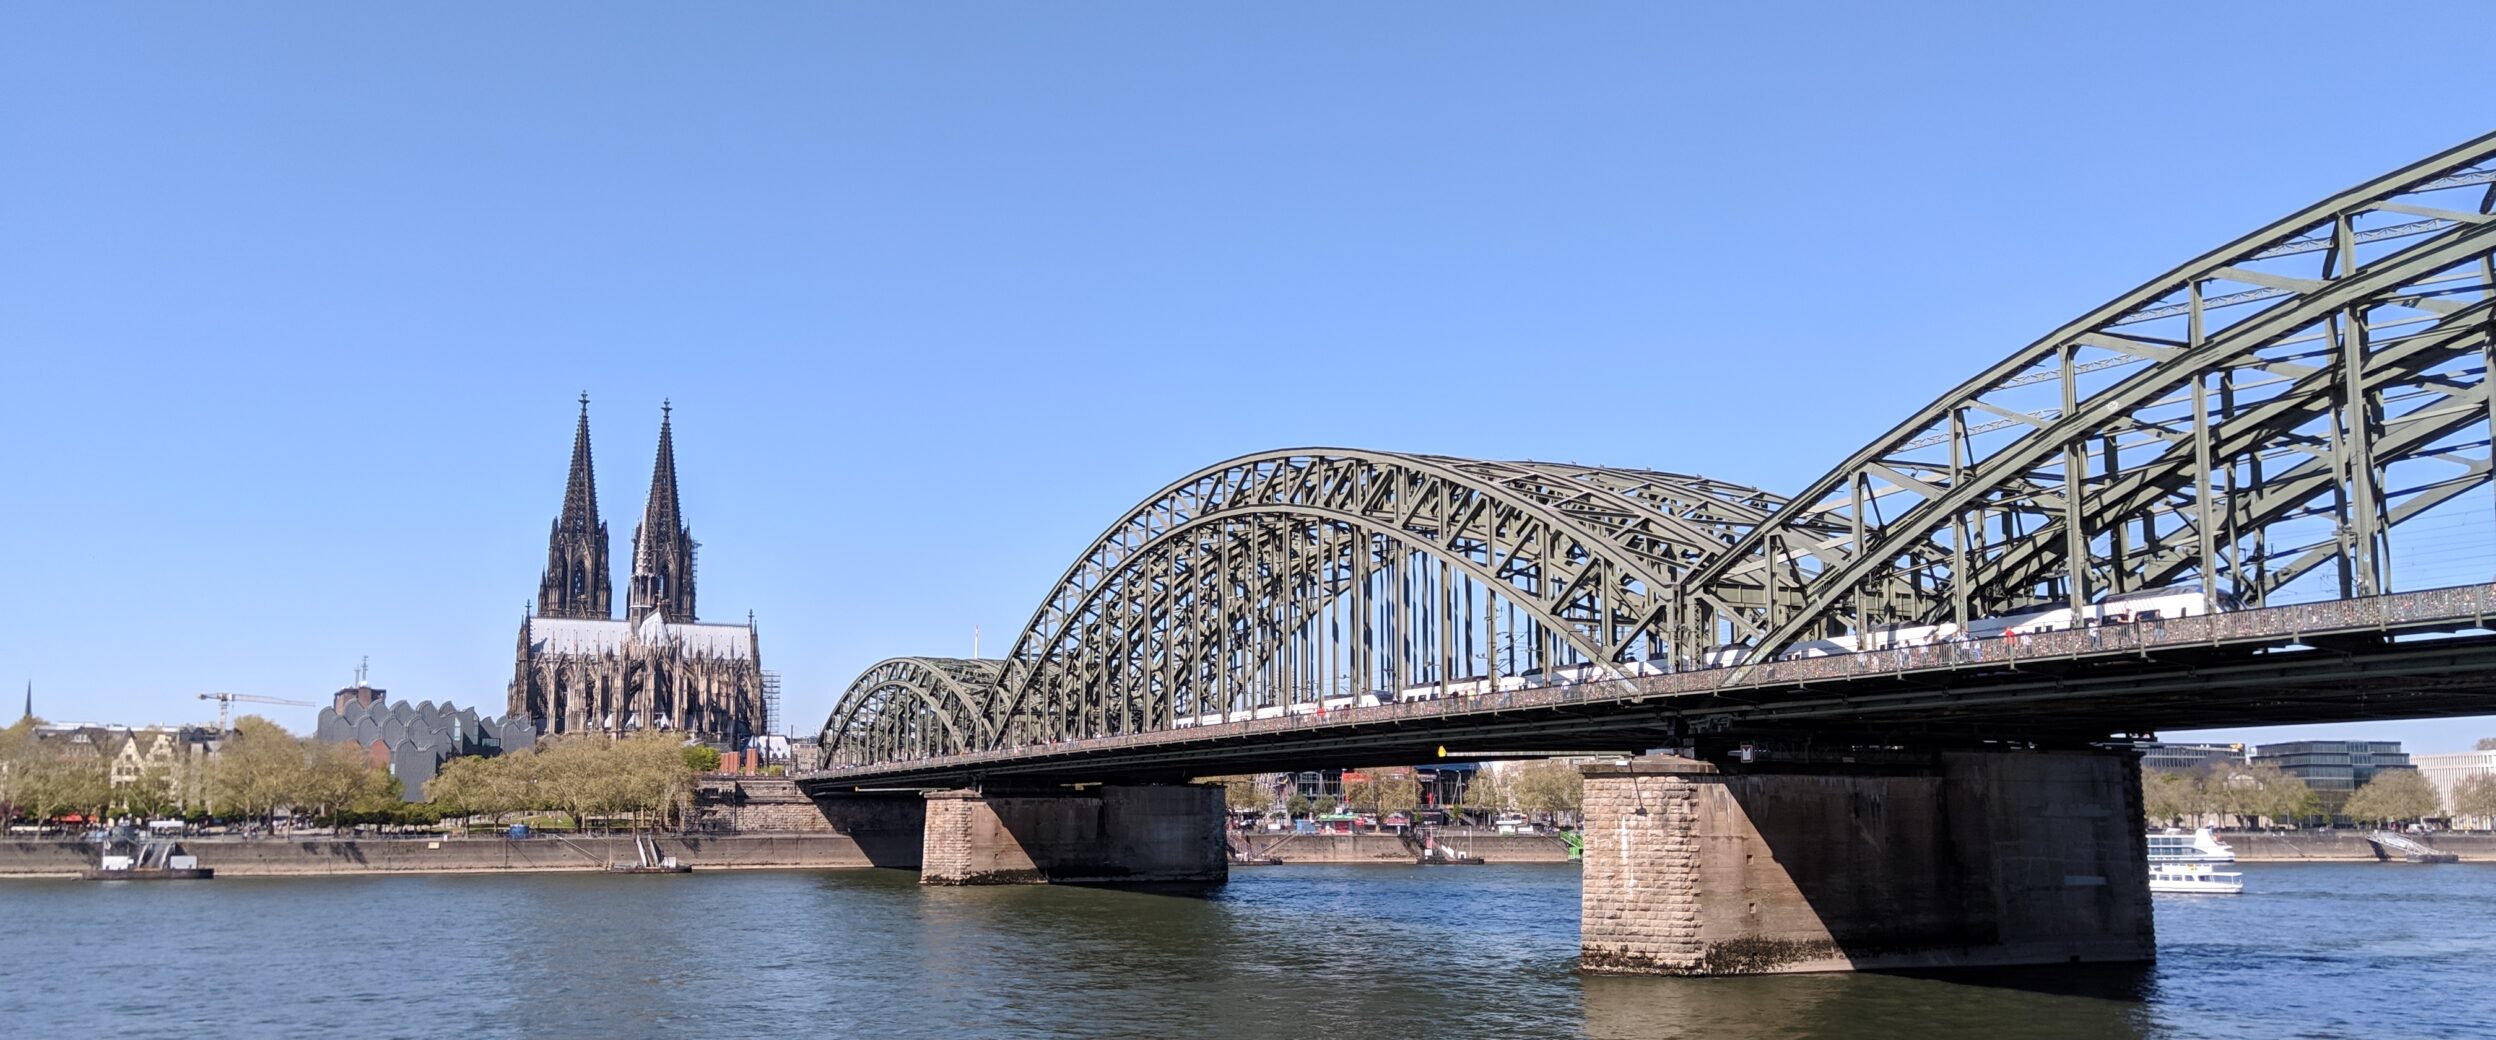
(1864, 861)
(1096, 835)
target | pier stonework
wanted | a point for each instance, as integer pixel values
(1888, 861)
(1104, 834)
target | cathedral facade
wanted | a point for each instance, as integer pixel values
(580, 669)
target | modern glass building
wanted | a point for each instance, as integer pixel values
(2333, 768)
(2184, 758)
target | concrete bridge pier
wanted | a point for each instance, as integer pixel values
(1097, 835)
(1865, 861)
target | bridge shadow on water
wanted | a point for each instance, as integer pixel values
(2047, 1003)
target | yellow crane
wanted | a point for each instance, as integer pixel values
(225, 704)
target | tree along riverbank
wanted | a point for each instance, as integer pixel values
(306, 857)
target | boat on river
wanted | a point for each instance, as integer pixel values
(2201, 846)
(2195, 878)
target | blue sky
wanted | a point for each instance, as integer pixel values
(296, 299)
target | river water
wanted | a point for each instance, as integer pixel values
(1283, 952)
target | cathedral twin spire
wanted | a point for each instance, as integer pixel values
(662, 544)
(576, 584)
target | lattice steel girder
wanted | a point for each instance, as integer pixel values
(911, 707)
(1586, 550)
(2437, 406)
(1962, 498)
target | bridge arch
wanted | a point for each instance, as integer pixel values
(910, 707)
(1286, 580)
(2271, 408)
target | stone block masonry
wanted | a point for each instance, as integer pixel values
(1110, 834)
(1868, 861)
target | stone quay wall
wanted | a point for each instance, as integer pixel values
(2334, 846)
(743, 804)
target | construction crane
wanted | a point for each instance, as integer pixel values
(225, 705)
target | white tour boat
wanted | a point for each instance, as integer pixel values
(2201, 846)
(2194, 877)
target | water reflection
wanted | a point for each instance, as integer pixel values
(1288, 952)
(2042, 1003)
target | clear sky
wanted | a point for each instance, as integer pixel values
(296, 299)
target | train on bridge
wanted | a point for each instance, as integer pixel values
(2147, 605)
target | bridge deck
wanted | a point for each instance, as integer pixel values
(2405, 655)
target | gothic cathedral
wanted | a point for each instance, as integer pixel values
(579, 670)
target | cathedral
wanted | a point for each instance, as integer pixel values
(582, 670)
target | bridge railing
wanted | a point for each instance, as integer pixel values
(2287, 624)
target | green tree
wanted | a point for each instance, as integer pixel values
(1241, 794)
(473, 785)
(1383, 791)
(702, 758)
(1485, 794)
(17, 745)
(1549, 787)
(2246, 793)
(2394, 794)
(259, 769)
(2167, 796)
(341, 778)
(2475, 796)
(1300, 805)
(1326, 805)
(149, 795)
(653, 780)
(55, 780)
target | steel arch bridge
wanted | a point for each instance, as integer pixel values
(2252, 427)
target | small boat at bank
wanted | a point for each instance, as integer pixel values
(2194, 878)
(1435, 853)
(146, 861)
(648, 861)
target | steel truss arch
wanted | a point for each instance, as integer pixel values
(1231, 590)
(910, 707)
(2178, 433)
(1585, 552)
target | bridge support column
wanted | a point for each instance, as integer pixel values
(888, 828)
(1108, 834)
(1875, 861)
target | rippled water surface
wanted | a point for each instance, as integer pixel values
(1395, 952)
